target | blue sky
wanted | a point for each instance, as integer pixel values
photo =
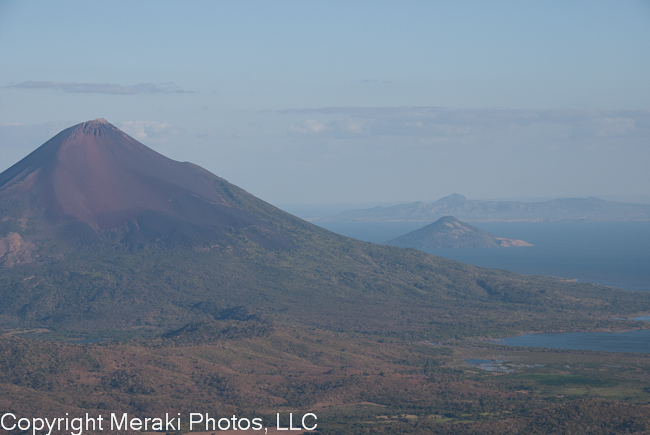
(333, 101)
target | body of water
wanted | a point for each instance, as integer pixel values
(615, 254)
(628, 341)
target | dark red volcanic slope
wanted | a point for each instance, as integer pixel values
(95, 174)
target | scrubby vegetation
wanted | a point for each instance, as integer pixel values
(353, 384)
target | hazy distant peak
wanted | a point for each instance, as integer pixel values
(454, 197)
(448, 219)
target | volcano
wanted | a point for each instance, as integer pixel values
(101, 236)
(93, 180)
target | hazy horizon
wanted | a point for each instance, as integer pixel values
(347, 103)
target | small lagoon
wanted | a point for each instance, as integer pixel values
(498, 366)
(628, 341)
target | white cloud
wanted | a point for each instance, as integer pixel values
(444, 122)
(612, 127)
(102, 88)
(308, 126)
(148, 129)
(350, 126)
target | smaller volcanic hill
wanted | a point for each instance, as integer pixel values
(92, 181)
(449, 232)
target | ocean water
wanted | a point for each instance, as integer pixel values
(615, 254)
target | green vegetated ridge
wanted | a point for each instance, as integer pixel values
(105, 289)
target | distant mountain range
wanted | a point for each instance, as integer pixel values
(563, 209)
(449, 232)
